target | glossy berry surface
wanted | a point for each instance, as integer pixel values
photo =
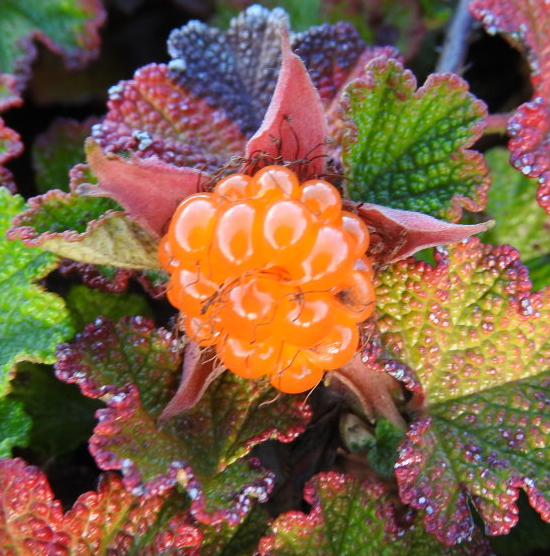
(272, 273)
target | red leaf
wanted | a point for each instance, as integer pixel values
(149, 189)
(396, 234)
(151, 115)
(294, 126)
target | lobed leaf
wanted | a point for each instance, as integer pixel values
(32, 321)
(152, 115)
(519, 220)
(85, 229)
(406, 148)
(200, 449)
(232, 70)
(109, 521)
(68, 29)
(348, 514)
(478, 340)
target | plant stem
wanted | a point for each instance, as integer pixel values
(456, 42)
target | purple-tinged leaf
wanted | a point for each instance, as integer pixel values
(347, 514)
(408, 149)
(477, 339)
(10, 143)
(235, 70)
(294, 126)
(109, 521)
(57, 150)
(70, 30)
(397, 234)
(202, 448)
(151, 115)
(148, 189)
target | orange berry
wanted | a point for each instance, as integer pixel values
(275, 182)
(202, 331)
(330, 258)
(247, 308)
(358, 230)
(235, 354)
(322, 199)
(338, 346)
(234, 248)
(288, 230)
(190, 291)
(234, 187)
(192, 226)
(304, 319)
(356, 296)
(295, 374)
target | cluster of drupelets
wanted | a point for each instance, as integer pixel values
(271, 272)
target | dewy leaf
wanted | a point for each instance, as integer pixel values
(32, 321)
(348, 514)
(62, 418)
(294, 126)
(148, 189)
(57, 150)
(151, 115)
(201, 448)
(14, 426)
(235, 70)
(406, 148)
(525, 24)
(109, 521)
(69, 29)
(85, 229)
(519, 220)
(478, 340)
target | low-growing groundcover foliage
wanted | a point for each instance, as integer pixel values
(293, 299)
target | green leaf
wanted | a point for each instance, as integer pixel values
(406, 148)
(57, 150)
(520, 221)
(85, 229)
(201, 449)
(14, 426)
(348, 515)
(62, 418)
(66, 27)
(478, 340)
(85, 305)
(32, 321)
